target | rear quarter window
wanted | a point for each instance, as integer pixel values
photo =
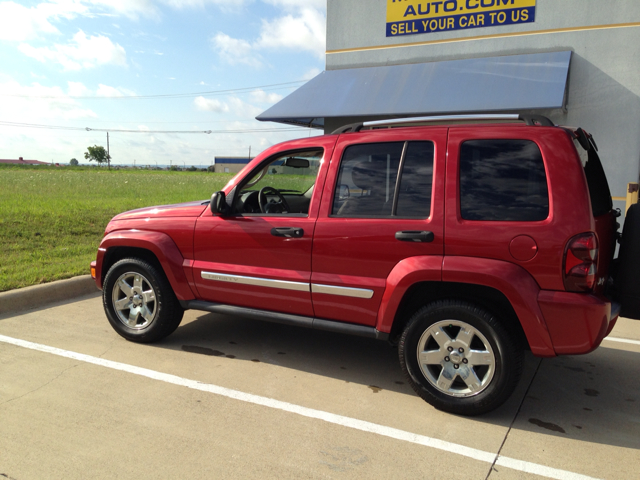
(503, 180)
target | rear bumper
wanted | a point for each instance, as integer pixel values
(577, 322)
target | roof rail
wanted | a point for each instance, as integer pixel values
(531, 120)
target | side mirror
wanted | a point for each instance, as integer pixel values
(218, 203)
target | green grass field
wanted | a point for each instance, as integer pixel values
(52, 219)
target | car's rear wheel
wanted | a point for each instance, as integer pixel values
(460, 358)
(139, 301)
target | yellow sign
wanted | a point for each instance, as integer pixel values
(410, 17)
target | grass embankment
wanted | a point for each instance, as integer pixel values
(52, 219)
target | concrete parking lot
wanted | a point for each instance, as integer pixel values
(232, 398)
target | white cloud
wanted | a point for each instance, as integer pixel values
(35, 102)
(77, 89)
(302, 28)
(132, 9)
(232, 105)
(82, 52)
(305, 31)
(264, 97)
(210, 105)
(224, 4)
(294, 4)
(19, 23)
(311, 73)
(107, 91)
(235, 51)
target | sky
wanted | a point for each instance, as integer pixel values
(71, 70)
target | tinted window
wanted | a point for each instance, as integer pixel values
(599, 192)
(502, 180)
(367, 180)
(414, 197)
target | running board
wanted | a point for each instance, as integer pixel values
(297, 320)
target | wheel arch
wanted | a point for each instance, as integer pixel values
(479, 280)
(156, 248)
(488, 298)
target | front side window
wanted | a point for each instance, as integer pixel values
(369, 184)
(284, 185)
(503, 180)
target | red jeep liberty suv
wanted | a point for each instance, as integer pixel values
(463, 240)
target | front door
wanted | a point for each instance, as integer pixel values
(259, 255)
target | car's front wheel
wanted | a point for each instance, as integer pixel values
(460, 358)
(139, 301)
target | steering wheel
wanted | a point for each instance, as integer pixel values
(267, 206)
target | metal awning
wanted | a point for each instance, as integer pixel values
(494, 84)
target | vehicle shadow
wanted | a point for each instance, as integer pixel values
(351, 359)
(345, 357)
(592, 398)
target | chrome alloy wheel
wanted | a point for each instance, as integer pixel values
(456, 358)
(134, 300)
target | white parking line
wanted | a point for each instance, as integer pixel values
(356, 424)
(623, 340)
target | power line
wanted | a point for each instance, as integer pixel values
(88, 129)
(273, 86)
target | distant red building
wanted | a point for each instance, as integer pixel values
(21, 161)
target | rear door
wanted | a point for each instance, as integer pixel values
(499, 204)
(382, 203)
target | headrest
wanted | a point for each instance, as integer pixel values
(368, 175)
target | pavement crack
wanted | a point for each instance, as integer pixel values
(41, 386)
(515, 417)
(108, 348)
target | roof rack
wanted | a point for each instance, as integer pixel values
(531, 120)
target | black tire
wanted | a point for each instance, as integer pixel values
(470, 342)
(139, 301)
(626, 283)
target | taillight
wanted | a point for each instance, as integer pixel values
(580, 263)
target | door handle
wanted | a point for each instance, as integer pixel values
(287, 232)
(415, 236)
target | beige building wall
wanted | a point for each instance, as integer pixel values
(604, 80)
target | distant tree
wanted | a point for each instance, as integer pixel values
(211, 168)
(96, 153)
(73, 162)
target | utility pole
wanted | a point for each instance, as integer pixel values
(108, 156)
(249, 152)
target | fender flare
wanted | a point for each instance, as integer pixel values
(514, 282)
(158, 243)
(406, 273)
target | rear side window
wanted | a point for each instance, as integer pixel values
(385, 180)
(599, 192)
(503, 180)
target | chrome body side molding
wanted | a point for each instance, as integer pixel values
(288, 285)
(259, 282)
(342, 291)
